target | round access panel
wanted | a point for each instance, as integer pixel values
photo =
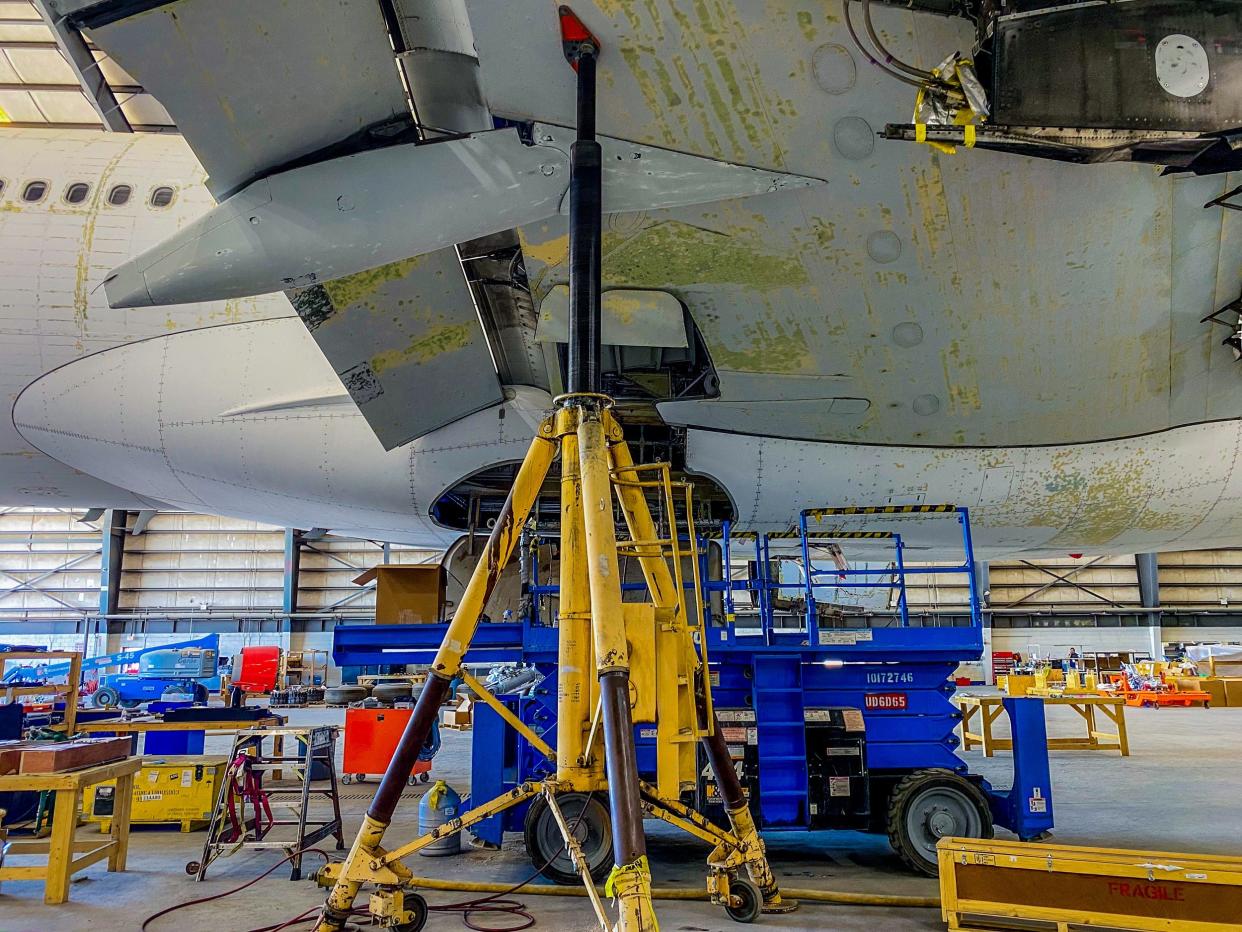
(1182, 66)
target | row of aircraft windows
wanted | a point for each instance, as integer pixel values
(78, 191)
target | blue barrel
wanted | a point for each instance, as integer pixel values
(439, 804)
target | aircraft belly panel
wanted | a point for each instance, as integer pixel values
(986, 300)
(1177, 488)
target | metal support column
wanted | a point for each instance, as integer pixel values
(111, 559)
(81, 61)
(293, 569)
(1148, 567)
(983, 585)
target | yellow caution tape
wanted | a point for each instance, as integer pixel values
(630, 878)
(970, 135)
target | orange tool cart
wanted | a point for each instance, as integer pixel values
(371, 736)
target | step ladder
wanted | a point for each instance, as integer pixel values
(246, 814)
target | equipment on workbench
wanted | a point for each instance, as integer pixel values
(171, 674)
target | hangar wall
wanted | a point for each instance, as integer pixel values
(183, 574)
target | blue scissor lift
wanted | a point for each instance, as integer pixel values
(836, 720)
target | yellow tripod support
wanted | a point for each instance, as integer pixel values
(644, 653)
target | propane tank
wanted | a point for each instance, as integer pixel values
(439, 805)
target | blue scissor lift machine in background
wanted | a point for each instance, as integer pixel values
(836, 720)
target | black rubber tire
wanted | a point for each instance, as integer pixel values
(752, 900)
(129, 703)
(347, 778)
(391, 692)
(546, 848)
(192, 868)
(918, 848)
(105, 697)
(201, 694)
(418, 906)
(344, 695)
(424, 777)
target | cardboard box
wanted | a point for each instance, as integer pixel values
(406, 594)
(1215, 688)
(58, 756)
(460, 715)
(1233, 691)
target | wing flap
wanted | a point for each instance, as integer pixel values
(406, 342)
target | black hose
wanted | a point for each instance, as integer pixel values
(889, 57)
(858, 43)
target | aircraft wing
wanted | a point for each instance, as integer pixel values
(254, 85)
(257, 87)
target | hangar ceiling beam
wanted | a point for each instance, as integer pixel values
(81, 60)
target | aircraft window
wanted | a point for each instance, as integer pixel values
(76, 192)
(161, 197)
(119, 195)
(34, 191)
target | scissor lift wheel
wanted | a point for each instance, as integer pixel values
(928, 805)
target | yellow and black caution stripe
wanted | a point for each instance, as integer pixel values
(794, 534)
(818, 513)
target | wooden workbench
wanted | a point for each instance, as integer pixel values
(989, 709)
(137, 727)
(62, 845)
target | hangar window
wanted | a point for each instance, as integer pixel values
(34, 191)
(76, 192)
(119, 195)
(162, 196)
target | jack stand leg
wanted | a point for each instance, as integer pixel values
(457, 638)
(630, 880)
(743, 822)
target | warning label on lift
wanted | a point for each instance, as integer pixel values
(894, 702)
(835, 638)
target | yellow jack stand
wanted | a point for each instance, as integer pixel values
(642, 653)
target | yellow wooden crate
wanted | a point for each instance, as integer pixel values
(169, 789)
(1000, 885)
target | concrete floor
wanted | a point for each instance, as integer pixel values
(1177, 792)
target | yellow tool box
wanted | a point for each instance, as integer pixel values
(1001, 885)
(172, 789)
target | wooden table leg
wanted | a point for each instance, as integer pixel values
(968, 714)
(990, 715)
(1088, 713)
(60, 847)
(1117, 712)
(121, 805)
